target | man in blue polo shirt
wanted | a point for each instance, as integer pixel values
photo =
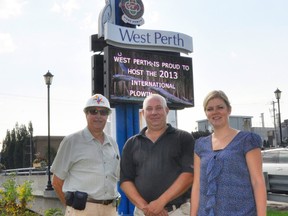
(156, 169)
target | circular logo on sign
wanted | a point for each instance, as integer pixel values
(133, 9)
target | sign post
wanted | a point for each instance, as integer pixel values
(127, 122)
(135, 64)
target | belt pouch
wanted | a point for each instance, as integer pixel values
(80, 199)
(69, 197)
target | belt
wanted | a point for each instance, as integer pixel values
(103, 202)
(172, 207)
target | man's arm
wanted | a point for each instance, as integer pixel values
(57, 185)
(133, 195)
(180, 185)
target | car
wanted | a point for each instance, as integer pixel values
(275, 161)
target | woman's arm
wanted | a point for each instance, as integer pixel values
(254, 162)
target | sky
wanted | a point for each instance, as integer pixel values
(239, 47)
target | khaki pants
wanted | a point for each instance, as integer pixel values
(183, 210)
(92, 209)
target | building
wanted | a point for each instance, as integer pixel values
(40, 144)
(244, 123)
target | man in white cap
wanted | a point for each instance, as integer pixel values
(86, 167)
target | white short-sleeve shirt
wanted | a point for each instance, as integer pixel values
(87, 165)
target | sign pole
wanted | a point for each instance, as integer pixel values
(127, 124)
(169, 74)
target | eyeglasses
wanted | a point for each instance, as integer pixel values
(103, 112)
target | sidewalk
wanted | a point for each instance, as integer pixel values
(277, 205)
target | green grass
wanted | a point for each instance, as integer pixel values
(276, 213)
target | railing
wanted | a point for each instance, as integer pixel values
(25, 171)
(277, 187)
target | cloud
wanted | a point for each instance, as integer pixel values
(6, 43)
(11, 8)
(67, 8)
(89, 22)
(233, 55)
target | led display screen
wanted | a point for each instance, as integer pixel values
(131, 75)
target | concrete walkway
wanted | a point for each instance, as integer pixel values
(277, 205)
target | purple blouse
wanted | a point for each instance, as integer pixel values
(225, 185)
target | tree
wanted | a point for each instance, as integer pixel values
(266, 144)
(6, 149)
(198, 134)
(15, 151)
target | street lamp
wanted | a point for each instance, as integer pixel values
(48, 80)
(31, 148)
(278, 96)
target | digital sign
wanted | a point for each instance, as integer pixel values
(131, 75)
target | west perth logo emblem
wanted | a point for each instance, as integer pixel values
(133, 11)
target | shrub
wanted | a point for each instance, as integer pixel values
(14, 198)
(53, 212)
(2, 167)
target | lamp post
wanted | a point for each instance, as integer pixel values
(48, 80)
(278, 96)
(31, 136)
(274, 120)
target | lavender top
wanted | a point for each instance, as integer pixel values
(225, 186)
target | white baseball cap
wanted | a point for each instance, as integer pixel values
(97, 100)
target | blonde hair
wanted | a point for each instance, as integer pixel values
(216, 94)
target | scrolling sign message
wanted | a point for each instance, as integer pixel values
(132, 75)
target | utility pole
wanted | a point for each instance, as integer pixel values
(262, 120)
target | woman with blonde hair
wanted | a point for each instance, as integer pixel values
(228, 178)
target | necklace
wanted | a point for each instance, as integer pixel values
(221, 143)
(222, 138)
